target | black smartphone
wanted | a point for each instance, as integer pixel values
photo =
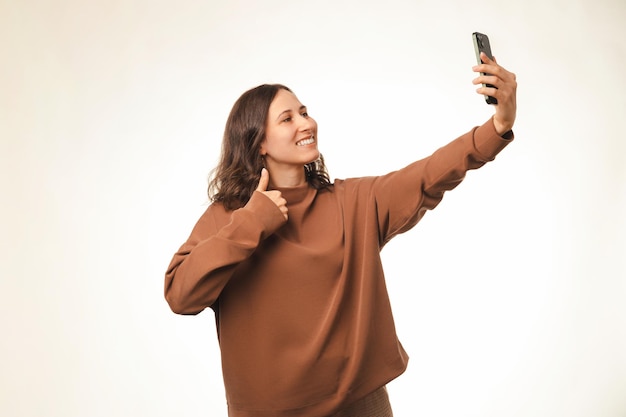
(481, 44)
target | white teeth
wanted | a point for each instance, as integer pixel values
(305, 142)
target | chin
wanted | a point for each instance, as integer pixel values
(317, 156)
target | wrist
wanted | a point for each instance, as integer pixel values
(502, 129)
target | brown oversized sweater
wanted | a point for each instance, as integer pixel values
(303, 316)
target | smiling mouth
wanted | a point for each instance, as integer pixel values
(308, 141)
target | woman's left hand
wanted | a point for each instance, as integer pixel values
(504, 90)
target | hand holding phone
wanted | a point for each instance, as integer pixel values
(481, 44)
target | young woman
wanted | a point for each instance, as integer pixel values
(290, 261)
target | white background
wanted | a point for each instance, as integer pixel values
(509, 297)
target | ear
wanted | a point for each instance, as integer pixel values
(262, 150)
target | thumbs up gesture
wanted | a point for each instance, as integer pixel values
(274, 195)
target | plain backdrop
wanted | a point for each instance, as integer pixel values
(509, 297)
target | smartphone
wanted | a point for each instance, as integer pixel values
(481, 44)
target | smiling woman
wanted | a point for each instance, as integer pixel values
(290, 140)
(290, 262)
(259, 121)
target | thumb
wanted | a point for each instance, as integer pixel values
(264, 181)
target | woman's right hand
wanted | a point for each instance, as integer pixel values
(504, 89)
(274, 195)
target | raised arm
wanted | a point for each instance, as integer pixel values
(404, 196)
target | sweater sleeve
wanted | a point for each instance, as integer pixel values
(205, 263)
(403, 197)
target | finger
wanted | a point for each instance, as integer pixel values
(486, 79)
(486, 59)
(488, 91)
(281, 203)
(264, 181)
(485, 68)
(285, 210)
(489, 65)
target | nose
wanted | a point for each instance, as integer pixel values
(308, 124)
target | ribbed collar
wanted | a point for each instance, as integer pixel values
(295, 195)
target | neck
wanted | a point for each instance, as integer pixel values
(281, 178)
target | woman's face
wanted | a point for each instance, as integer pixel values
(291, 135)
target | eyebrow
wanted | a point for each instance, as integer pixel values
(303, 107)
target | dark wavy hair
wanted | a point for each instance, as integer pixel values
(238, 172)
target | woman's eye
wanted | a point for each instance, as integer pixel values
(305, 114)
(288, 119)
